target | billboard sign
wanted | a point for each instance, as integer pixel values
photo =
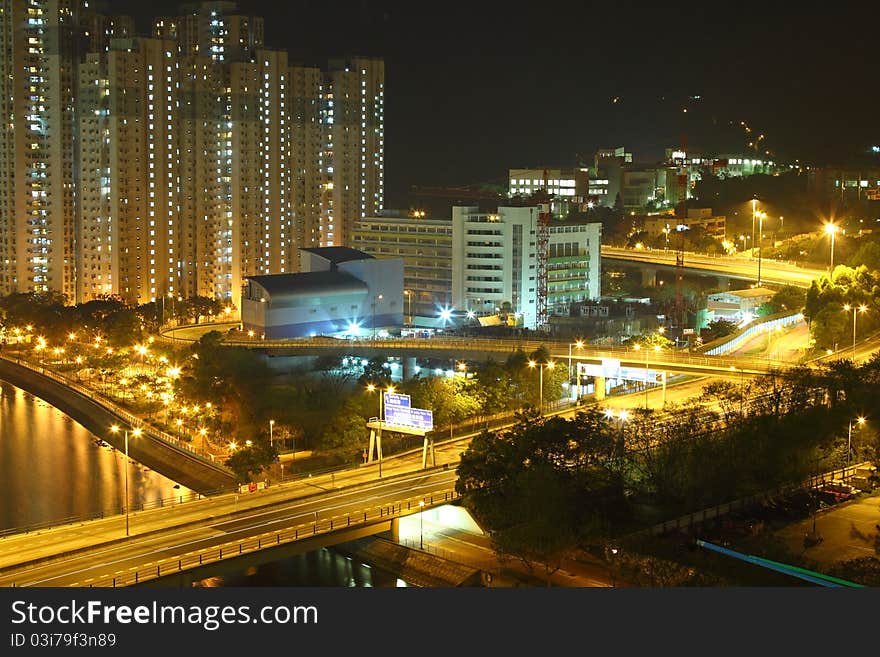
(404, 416)
(395, 399)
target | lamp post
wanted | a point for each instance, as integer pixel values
(831, 228)
(761, 216)
(549, 365)
(622, 416)
(376, 298)
(754, 216)
(390, 389)
(136, 432)
(271, 424)
(861, 309)
(408, 295)
(638, 347)
(861, 421)
(421, 525)
(580, 345)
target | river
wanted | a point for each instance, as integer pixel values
(53, 470)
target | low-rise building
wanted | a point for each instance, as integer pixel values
(340, 291)
(737, 305)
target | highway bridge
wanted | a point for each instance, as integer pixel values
(773, 272)
(177, 545)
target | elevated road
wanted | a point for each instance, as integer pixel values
(187, 539)
(743, 268)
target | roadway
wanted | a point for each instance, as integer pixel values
(98, 552)
(772, 271)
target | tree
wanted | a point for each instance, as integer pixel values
(717, 328)
(249, 461)
(545, 485)
(868, 255)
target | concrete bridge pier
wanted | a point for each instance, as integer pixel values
(599, 387)
(395, 530)
(649, 276)
(409, 367)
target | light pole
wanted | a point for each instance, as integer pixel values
(622, 416)
(390, 389)
(861, 309)
(549, 365)
(761, 216)
(376, 298)
(421, 525)
(136, 432)
(754, 216)
(861, 421)
(831, 228)
(638, 347)
(271, 424)
(580, 345)
(408, 295)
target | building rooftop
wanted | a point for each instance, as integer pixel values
(314, 282)
(750, 292)
(339, 254)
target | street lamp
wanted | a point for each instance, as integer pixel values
(376, 298)
(136, 432)
(421, 525)
(580, 345)
(638, 347)
(390, 389)
(408, 294)
(271, 424)
(861, 421)
(830, 229)
(622, 416)
(861, 309)
(761, 216)
(549, 365)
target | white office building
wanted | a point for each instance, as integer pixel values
(495, 262)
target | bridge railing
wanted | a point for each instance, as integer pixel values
(559, 350)
(120, 412)
(729, 342)
(319, 526)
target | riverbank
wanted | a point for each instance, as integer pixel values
(173, 463)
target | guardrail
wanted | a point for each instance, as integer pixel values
(734, 340)
(691, 519)
(557, 349)
(231, 549)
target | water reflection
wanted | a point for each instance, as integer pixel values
(323, 567)
(53, 470)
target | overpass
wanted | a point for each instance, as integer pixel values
(773, 272)
(177, 545)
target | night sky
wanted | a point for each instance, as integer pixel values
(475, 88)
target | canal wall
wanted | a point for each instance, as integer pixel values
(171, 461)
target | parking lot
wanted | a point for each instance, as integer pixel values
(848, 530)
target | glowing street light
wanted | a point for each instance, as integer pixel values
(136, 432)
(861, 309)
(580, 345)
(390, 389)
(548, 365)
(861, 421)
(831, 229)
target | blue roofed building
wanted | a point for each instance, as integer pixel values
(340, 291)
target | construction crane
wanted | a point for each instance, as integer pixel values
(543, 243)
